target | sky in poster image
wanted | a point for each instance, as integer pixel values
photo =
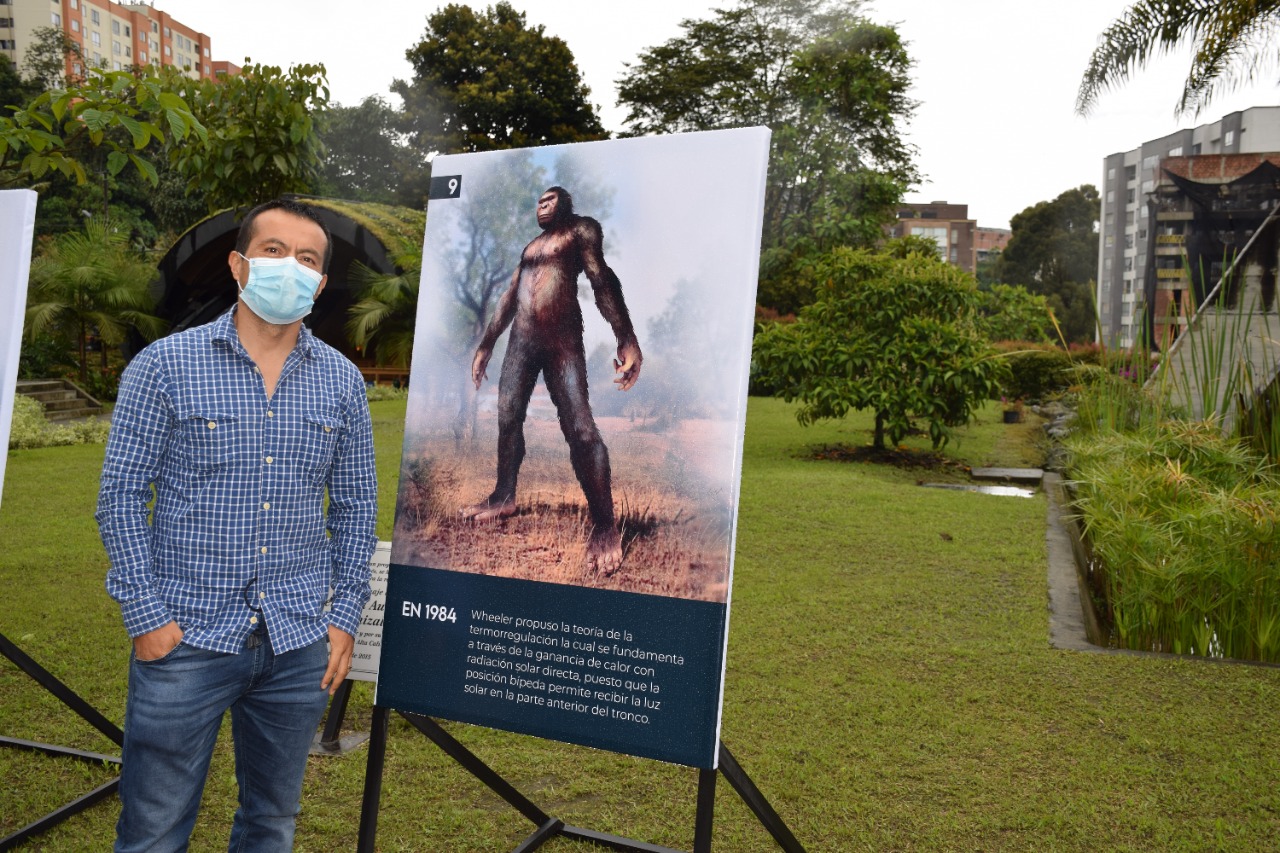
(995, 80)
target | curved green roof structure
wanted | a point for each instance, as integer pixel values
(195, 284)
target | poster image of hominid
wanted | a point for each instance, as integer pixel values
(582, 345)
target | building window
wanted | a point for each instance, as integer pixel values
(1128, 241)
(6, 23)
(115, 27)
(95, 37)
(1130, 173)
(1110, 240)
(1229, 138)
(55, 19)
(1149, 163)
(6, 44)
(1128, 264)
(93, 16)
(1148, 186)
(1129, 196)
(75, 25)
(115, 47)
(75, 68)
(128, 30)
(75, 4)
(206, 53)
(1111, 174)
(1106, 264)
(142, 56)
(168, 51)
(116, 66)
(155, 28)
(1175, 152)
(1111, 196)
(167, 33)
(128, 51)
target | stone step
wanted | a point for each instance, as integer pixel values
(72, 414)
(53, 396)
(1008, 475)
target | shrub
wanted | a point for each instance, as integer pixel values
(30, 429)
(385, 392)
(1036, 372)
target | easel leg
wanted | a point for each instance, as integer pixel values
(63, 693)
(706, 811)
(373, 780)
(741, 782)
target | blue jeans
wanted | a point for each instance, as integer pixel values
(171, 722)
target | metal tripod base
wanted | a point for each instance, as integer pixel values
(549, 827)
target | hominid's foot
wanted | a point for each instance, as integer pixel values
(604, 551)
(489, 510)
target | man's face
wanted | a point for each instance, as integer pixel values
(547, 208)
(281, 234)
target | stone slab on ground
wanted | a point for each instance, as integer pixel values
(1008, 475)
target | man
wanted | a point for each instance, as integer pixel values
(541, 306)
(239, 427)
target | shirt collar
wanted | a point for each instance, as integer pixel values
(224, 329)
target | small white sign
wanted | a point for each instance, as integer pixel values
(368, 651)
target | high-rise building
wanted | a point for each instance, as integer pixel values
(1147, 218)
(113, 36)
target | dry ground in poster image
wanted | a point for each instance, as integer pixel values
(672, 545)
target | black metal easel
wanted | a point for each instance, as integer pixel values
(90, 715)
(547, 827)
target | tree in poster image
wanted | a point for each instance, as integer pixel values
(487, 227)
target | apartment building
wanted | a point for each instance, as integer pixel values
(946, 224)
(1149, 216)
(113, 36)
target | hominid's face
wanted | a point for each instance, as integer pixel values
(547, 206)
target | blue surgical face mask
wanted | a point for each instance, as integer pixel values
(280, 290)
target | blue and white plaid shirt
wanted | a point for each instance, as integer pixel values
(238, 532)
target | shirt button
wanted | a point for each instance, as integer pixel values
(270, 459)
(262, 595)
(257, 369)
(212, 425)
(328, 429)
(253, 620)
(270, 413)
(266, 506)
(264, 549)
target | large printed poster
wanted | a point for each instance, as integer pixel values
(17, 230)
(563, 546)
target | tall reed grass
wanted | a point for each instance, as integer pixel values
(1182, 515)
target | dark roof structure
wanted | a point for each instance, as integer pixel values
(195, 283)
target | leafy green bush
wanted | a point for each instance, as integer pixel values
(30, 429)
(1035, 372)
(385, 392)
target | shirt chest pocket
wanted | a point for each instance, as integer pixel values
(319, 438)
(206, 441)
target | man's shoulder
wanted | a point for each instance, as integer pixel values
(181, 342)
(332, 358)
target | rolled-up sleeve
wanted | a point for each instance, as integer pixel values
(141, 425)
(353, 512)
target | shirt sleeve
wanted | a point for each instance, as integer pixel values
(353, 512)
(141, 424)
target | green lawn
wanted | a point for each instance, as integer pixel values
(889, 687)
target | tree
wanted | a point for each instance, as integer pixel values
(1011, 313)
(1053, 252)
(91, 283)
(365, 156)
(1234, 41)
(831, 86)
(263, 138)
(48, 53)
(113, 112)
(896, 332)
(14, 91)
(489, 81)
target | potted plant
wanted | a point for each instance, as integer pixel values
(1012, 410)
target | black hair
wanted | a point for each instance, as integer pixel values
(245, 236)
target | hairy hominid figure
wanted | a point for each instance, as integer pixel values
(541, 307)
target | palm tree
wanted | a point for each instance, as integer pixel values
(382, 319)
(91, 282)
(1234, 43)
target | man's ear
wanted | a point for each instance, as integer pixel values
(324, 279)
(236, 264)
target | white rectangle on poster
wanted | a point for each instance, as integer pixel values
(368, 650)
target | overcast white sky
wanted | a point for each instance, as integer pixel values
(996, 79)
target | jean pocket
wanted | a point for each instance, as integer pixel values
(169, 655)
